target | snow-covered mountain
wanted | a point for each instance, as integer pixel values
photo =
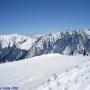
(17, 47)
(47, 72)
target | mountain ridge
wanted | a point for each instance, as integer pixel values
(71, 42)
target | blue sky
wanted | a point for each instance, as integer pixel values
(43, 16)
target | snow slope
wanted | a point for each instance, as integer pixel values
(77, 78)
(29, 74)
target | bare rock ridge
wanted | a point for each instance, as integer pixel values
(17, 47)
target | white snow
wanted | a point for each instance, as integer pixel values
(77, 78)
(21, 41)
(29, 74)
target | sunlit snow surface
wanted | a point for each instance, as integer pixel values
(47, 72)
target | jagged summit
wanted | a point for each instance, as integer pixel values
(17, 47)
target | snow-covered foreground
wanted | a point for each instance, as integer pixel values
(77, 78)
(47, 72)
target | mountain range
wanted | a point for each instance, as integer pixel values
(17, 47)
